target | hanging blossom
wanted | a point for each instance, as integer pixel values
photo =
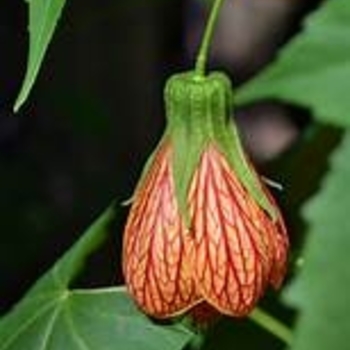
(203, 231)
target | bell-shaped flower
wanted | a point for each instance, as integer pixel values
(203, 230)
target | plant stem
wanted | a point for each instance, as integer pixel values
(207, 38)
(271, 324)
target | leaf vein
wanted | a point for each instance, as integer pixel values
(27, 324)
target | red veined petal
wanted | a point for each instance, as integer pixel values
(234, 252)
(279, 242)
(158, 255)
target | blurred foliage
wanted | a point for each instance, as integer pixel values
(313, 70)
(321, 290)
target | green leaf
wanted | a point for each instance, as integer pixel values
(322, 289)
(43, 17)
(314, 69)
(53, 317)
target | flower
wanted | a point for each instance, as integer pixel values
(203, 231)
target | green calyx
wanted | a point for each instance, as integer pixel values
(198, 110)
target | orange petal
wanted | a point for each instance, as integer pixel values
(234, 256)
(158, 253)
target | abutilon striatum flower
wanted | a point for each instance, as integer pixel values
(203, 230)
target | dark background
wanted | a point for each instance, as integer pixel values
(96, 112)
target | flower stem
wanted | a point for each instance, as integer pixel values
(207, 38)
(271, 324)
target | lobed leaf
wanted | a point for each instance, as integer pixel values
(313, 70)
(322, 289)
(43, 18)
(53, 317)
